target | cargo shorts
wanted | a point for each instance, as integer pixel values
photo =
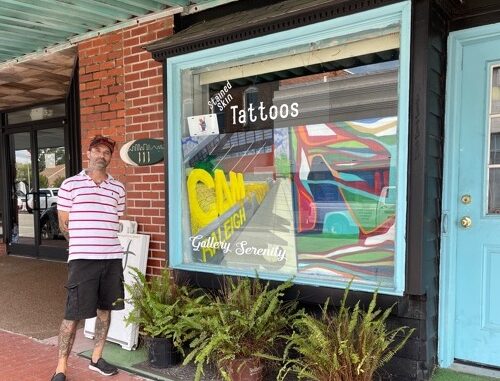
(93, 284)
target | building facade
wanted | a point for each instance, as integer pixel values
(328, 141)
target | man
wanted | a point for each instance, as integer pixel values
(89, 205)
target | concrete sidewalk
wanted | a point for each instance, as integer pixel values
(26, 359)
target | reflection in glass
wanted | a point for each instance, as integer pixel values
(295, 173)
(494, 191)
(495, 91)
(494, 144)
(36, 113)
(52, 172)
(22, 229)
(316, 198)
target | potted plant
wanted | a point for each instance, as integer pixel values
(350, 344)
(157, 305)
(240, 329)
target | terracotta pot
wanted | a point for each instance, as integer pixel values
(248, 369)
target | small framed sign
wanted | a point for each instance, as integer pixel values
(142, 152)
(203, 125)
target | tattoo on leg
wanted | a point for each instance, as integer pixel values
(101, 327)
(67, 335)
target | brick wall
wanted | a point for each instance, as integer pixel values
(121, 96)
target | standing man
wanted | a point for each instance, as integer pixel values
(89, 205)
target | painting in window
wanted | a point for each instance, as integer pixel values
(290, 161)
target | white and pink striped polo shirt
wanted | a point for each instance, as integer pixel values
(93, 216)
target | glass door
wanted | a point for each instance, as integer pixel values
(38, 164)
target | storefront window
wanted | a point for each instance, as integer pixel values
(290, 160)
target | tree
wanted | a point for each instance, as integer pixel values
(43, 181)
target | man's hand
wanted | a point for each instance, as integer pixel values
(63, 223)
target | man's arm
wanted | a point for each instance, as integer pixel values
(63, 223)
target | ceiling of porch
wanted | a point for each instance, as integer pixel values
(36, 57)
(36, 81)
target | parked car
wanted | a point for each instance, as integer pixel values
(48, 198)
(333, 215)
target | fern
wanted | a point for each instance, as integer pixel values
(347, 345)
(159, 304)
(245, 319)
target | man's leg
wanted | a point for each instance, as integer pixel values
(97, 363)
(67, 334)
(102, 322)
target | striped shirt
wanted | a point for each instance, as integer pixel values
(93, 216)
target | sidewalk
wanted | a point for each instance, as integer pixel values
(25, 359)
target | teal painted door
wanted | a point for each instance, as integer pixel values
(477, 314)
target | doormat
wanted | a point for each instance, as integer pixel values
(136, 362)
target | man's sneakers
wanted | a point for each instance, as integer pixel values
(102, 367)
(58, 377)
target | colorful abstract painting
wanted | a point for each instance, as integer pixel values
(344, 195)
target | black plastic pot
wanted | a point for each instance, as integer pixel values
(162, 353)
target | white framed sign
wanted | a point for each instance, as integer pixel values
(136, 248)
(203, 125)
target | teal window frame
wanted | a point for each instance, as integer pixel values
(342, 26)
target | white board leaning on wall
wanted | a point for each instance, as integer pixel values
(136, 255)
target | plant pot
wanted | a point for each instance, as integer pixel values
(162, 352)
(247, 369)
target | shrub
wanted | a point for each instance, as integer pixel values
(349, 345)
(246, 319)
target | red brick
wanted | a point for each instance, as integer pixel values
(86, 110)
(139, 30)
(116, 89)
(107, 82)
(91, 68)
(140, 84)
(117, 106)
(140, 66)
(132, 77)
(140, 101)
(131, 41)
(99, 59)
(84, 45)
(115, 55)
(140, 119)
(109, 99)
(155, 81)
(91, 101)
(92, 85)
(102, 108)
(85, 78)
(149, 73)
(109, 115)
(99, 41)
(100, 92)
(131, 59)
(117, 122)
(107, 65)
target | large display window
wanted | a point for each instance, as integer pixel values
(287, 154)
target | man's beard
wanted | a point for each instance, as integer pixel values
(100, 164)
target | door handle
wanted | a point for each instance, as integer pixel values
(466, 222)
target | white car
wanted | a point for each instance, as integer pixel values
(48, 198)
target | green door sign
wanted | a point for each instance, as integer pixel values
(142, 152)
